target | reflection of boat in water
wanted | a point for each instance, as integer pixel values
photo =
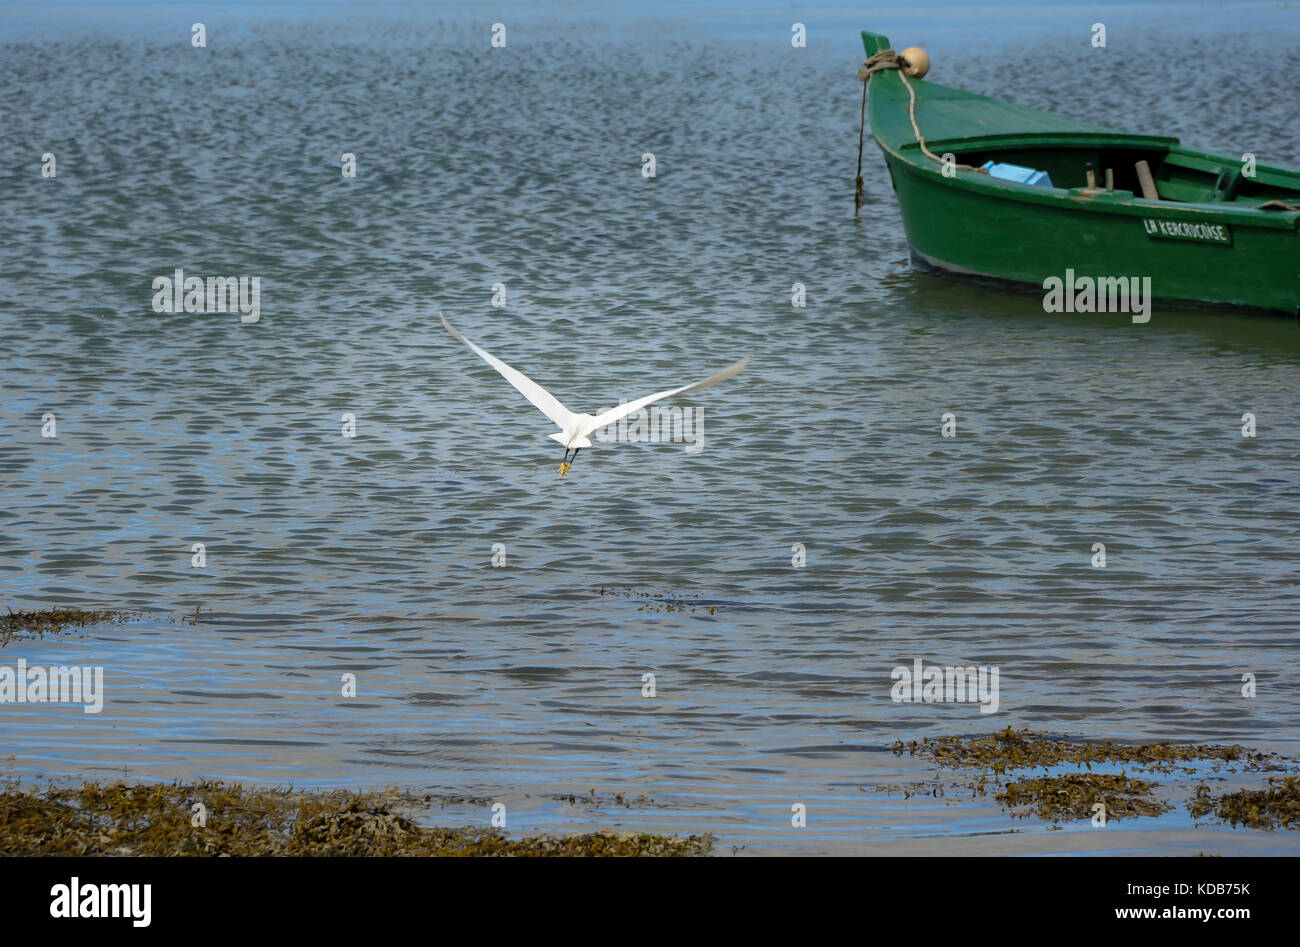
(1028, 195)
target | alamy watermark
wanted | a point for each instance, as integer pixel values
(657, 425)
(1103, 294)
(181, 293)
(75, 899)
(60, 684)
(946, 685)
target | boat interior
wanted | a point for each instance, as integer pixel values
(1173, 173)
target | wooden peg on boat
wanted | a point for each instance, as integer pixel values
(1147, 182)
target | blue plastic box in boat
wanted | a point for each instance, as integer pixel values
(1014, 172)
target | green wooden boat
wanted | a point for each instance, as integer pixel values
(1214, 233)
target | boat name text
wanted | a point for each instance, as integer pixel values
(1187, 230)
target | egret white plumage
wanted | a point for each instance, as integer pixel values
(576, 429)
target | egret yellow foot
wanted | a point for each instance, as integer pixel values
(564, 468)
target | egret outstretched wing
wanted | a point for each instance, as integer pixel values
(541, 399)
(612, 415)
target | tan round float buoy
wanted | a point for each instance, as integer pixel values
(915, 61)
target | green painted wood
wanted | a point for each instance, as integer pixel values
(974, 224)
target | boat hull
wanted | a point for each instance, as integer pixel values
(966, 232)
(1209, 233)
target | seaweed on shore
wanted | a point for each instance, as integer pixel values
(214, 819)
(1059, 797)
(1011, 749)
(1276, 806)
(1074, 796)
(595, 802)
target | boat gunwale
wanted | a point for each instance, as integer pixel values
(1098, 202)
(1047, 139)
(1173, 145)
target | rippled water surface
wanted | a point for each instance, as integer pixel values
(372, 555)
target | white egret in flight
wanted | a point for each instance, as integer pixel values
(576, 429)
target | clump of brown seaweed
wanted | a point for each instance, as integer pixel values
(1074, 796)
(41, 622)
(38, 624)
(1276, 806)
(1057, 797)
(594, 801)
(659, 601)
(214, 819)
(1011, 749)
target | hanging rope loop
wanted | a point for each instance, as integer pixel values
(888, 59)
